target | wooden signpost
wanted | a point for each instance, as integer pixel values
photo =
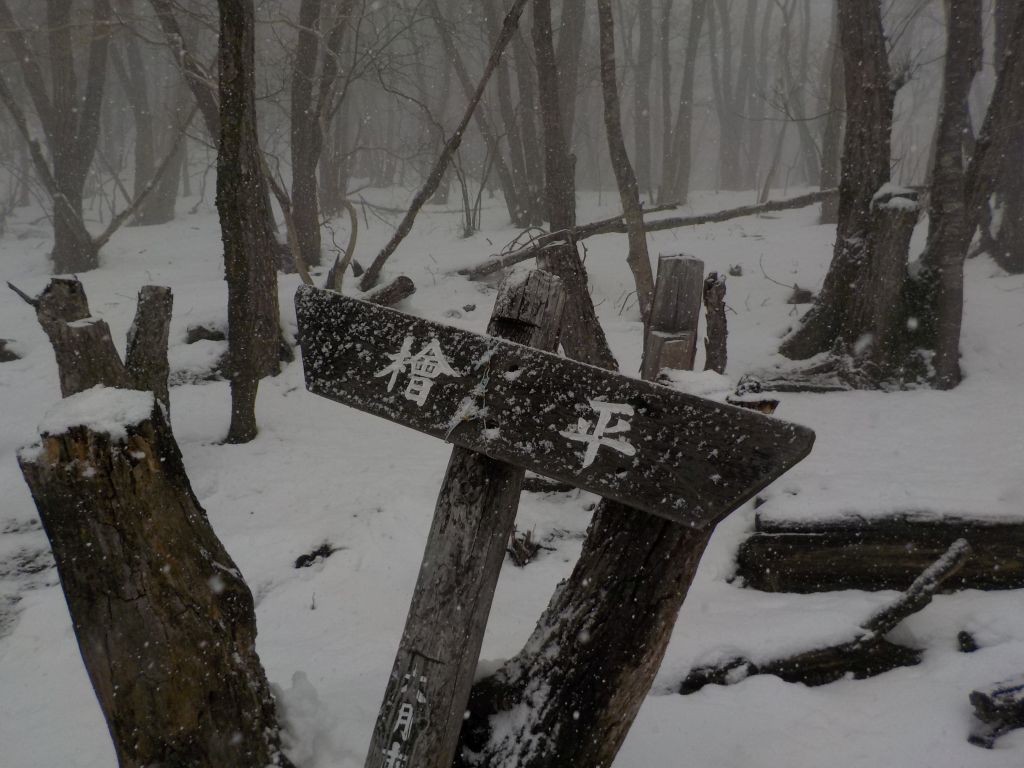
(509, 407)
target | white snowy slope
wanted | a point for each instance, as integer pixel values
(320, 472)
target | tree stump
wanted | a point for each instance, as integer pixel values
(164, 621)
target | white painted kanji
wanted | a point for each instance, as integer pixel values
(394, 757)
(596, 439)
(403, 723)
(423, 367)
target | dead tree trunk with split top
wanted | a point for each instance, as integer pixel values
(164, 621)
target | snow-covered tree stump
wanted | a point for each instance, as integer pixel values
(164, 621)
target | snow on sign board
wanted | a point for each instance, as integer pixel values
(675, 455)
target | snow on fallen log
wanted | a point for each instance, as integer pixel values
(617, 225)
(998, 708)
(867, 654)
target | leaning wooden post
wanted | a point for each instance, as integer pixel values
(426, 696)
(671, 339)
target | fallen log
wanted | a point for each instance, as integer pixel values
(875, 554)
(617, 225)
(867, 654)
(388, 295)
(997, 709)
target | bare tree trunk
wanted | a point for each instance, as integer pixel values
(1007, 247)
(729, 143)
(866, 157)
(559, 164)
(642, 95)
(831, 140)
(675, 183)
(629, 194)
(306, 139)
(950, 226)
(249, 252)
(568, 51)
(665, 91)
(755, 104)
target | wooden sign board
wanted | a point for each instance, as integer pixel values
(679, 456)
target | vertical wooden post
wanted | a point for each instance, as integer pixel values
(716, 351)
(671, 340)
(419, 722)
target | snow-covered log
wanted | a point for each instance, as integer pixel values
(998, 708)
(874, 554)
(866, 654)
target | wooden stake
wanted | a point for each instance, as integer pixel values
(419, 722)
(671, 339)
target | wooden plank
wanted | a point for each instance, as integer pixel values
(682, 457)
(671, 338)
(427, 693)
(875, 554)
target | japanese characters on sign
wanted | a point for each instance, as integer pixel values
(685, 458)
(424, 366)
(604, 426)
(411, 697)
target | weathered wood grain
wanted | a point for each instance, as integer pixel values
(427, 693)
(671, 338)
(687, 459)
(875, 554)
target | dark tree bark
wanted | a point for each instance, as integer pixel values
(1007, 246)
(201, 83)
(306, 138)
(249, 245)
(831, 139)
(720, 52)
(866, 155)
(170, 652)
(642, 94)
(675, 182)
(794, 89)
(629, 194)
(559, 163)
(568, 52)
(950, 226)
(533, 153)
(581, 330)
(172, 660)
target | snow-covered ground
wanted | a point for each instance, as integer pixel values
(320, 472)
